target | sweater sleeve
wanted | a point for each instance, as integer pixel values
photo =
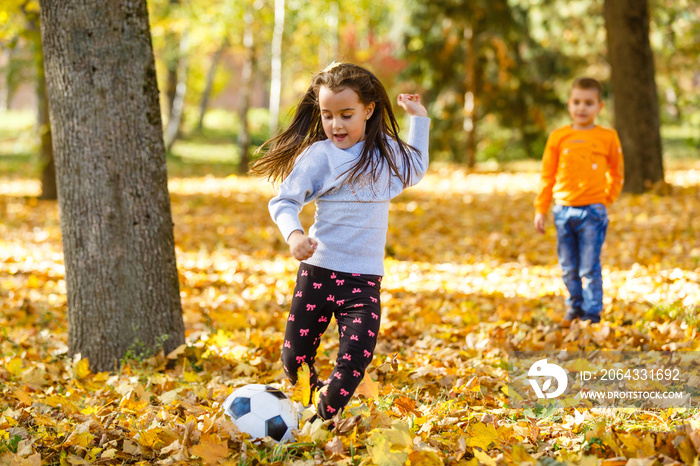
(303, 185)
(418, 137)
(550, 162)
(616, 170)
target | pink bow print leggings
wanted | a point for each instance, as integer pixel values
(354, 301)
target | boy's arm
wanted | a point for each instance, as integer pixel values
(616, 171)
(550, 162)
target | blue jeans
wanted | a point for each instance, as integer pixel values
(580, 236)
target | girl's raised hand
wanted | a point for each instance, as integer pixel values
(411, 103)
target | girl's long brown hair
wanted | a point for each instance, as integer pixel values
(306, 128)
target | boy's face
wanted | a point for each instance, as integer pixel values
(584, 105)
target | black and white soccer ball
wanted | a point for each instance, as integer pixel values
(261, 410)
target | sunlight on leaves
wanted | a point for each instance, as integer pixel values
(467, 281)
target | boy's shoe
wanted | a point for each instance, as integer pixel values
(571, 315)
(593, 318)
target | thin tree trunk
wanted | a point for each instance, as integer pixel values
(172, 61)
(247, 73)
(276, 67)
(328, 48)
(470, 99)
(46, 160)
(49, 190)
(116, 223)
(5, 63)
(634, 91)
(172, 130)
(204, 102)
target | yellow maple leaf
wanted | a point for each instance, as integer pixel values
(482, 435)
(81, 368)
(302, 389)
(424, 458)
(380, 450)
(14, 367)
(23, 396)
(211, 449)
(177, 352)
(368, 388)
(149, 438)
(483, 458)
(190, 376)
(399, 434)
(81, 436)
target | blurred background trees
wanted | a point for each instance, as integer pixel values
(494, 73)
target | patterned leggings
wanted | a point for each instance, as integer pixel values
(354, 301)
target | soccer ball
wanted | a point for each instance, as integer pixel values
(261, 410)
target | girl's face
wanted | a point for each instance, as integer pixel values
(343, 116)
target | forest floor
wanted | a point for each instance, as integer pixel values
(468, 282)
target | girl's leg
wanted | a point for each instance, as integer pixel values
(308, 319)
(358, 314)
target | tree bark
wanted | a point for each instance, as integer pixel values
(206, 95)
(634, 92)
(249, 66)
(49, 190)
(172, 60)
(470, 95)
(5, 63)
(116, 223)
(276, 67)
(177, 104)
(46, 161)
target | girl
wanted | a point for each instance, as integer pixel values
(343, 151)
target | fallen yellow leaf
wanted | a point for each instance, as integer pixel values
(211, 449)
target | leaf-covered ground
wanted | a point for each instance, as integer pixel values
(467, 281)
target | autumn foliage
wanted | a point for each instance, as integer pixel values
(468, 280)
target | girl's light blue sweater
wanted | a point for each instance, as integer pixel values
(351, 220)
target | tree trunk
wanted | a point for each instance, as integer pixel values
(634, 91)
(204, 102)
(177, 105)
(276, 67)
(46, 161)
(116, 224)
(172, 60)
(470, 99)
(49, 190)
(328, 47)
(247, 73)
(5, 63)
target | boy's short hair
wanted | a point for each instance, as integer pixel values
(589, 83)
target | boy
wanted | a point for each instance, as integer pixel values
(582, 170)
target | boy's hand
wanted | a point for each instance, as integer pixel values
(540, 221)
(411, 103)
(301, 246)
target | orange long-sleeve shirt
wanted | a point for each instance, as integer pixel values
(581, 167)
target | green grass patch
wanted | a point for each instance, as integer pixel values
(19, 143)
(677, 311)
(200, 151)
